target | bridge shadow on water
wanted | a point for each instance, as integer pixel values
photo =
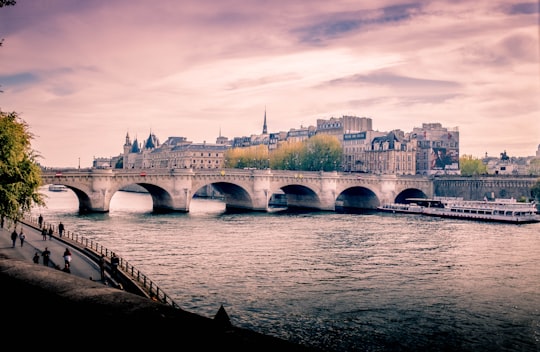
(361, 211)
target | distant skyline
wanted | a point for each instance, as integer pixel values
(82, 74)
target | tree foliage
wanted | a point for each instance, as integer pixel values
(288, 156)
(320, 152)
(250, 157)
(20, 174)
(472, 166)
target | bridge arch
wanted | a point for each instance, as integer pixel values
(300, 196)
(236, 197)
(357, 197)
(409, 193)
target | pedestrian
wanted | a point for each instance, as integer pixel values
(14, 237)
(50, 233)
(40, 220)
(102, 267)
(67, 257)
(46, 255)
(22, 236)
(66, 269)
(44, 234)
(36, 258)
(115, 261)
(60, 229)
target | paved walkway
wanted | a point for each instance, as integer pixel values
(81, 265)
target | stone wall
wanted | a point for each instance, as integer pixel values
(476, 188)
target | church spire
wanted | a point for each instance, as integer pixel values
(128, 141)
(265, 131)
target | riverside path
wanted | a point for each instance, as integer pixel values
(81, 264)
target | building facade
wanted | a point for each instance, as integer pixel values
(428, 150)
(175, 153)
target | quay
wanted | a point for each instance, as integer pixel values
(45, 308)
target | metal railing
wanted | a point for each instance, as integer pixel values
(140, 279)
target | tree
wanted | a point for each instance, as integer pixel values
(323, 152)
(471, 166)
(287, 156)
(20, 174)
(251, 157)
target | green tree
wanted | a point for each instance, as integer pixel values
(20, 174)
(323, 152)
(471, 166)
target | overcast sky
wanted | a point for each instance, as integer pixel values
(82, 74)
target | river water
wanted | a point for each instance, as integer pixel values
(340, 282)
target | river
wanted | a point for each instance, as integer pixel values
(341, 282)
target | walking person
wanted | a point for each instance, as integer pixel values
(40, 220)
(67, 257)
(46, 254)
(60, 229)
(102, 267)
(14, 237)
(50, 232)
(44, 234)
(115, 262)
(22, 236)
(36, 258)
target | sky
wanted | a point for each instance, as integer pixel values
(83, 74)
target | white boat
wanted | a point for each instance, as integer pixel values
(500, 210)
(412, 208)
(57, 188)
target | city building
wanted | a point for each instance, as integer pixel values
(390, 154)
(428, 150)
(437, 149)
(176, 152)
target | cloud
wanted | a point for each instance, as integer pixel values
(86, 72)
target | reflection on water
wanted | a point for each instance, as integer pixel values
(344, 282)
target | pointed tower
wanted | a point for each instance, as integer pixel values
(265, 131)
(127, 147)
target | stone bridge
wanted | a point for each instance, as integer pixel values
(173, 189)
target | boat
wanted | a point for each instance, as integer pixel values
(411, 208)
(498, 210)
(57, 188)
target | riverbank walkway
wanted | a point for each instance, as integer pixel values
(81, 265)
